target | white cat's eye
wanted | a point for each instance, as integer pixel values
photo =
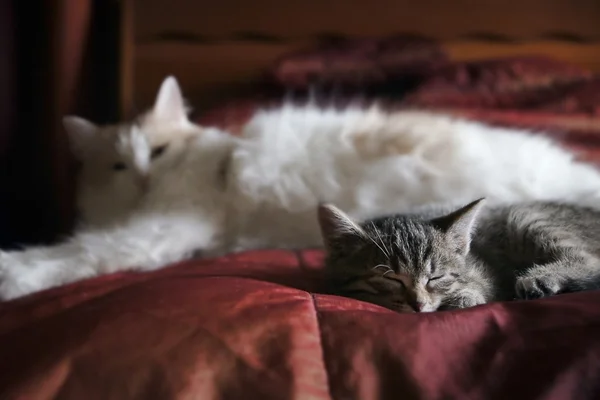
(119, 166)
(158, 151)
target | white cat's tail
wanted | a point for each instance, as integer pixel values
(146, 242)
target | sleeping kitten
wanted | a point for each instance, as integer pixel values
(471, 256)
(213, 192)
(118, 161)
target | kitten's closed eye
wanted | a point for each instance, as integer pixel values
(391, 276)
(119, 166)
(158, 151)
(436, 278)
(440, 281)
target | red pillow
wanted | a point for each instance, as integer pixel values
(250, 326)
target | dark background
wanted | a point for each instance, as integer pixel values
(56, 58)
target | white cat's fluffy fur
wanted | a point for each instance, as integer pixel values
(216, 193)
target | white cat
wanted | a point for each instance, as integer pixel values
(118, 161)
(211, 192)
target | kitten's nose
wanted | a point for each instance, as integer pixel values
(417, 305)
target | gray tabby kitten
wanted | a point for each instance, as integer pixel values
(471, 256)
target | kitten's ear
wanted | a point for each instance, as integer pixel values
(169, 105)
(80, 131)
(335, 224)
(458, 225)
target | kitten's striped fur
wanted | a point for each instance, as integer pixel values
(471, 256)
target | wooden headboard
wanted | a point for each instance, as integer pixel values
(217, 48)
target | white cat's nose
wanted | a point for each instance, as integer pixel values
(143, 182)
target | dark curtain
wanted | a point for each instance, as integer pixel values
(56, 57)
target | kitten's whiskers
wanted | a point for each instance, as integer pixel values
(380, 248)
(383, 249)
(381, 266)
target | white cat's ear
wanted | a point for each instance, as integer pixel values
(80, 131)
(334, 223)
(459, 225)
(169, 105)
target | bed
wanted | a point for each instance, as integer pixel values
(260, 324)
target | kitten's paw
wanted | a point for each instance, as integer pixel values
(535, 287)
(464, 299)
(471, 299)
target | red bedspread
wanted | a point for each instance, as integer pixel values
(255, 325)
